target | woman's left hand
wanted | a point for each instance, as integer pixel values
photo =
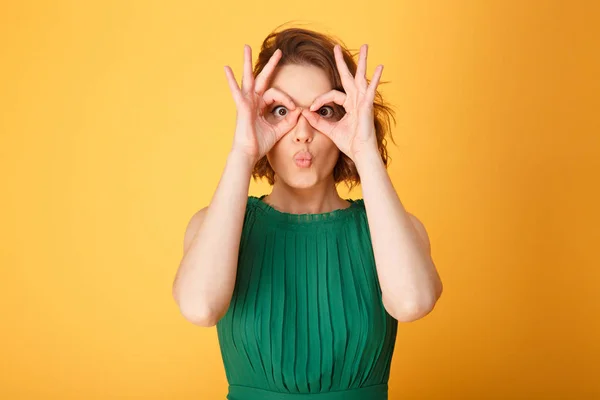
(354, 134)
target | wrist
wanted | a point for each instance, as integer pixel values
(367, 158)
(240, 157)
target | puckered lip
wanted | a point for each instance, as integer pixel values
(303, 155)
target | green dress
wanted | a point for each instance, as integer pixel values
(306, 319)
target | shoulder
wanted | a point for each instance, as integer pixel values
(421, 230)
(198, 217)
(360, 203)
(192, 227)
(253, 200)
(419, 226)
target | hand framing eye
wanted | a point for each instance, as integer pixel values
(355, 131)
(254, 134)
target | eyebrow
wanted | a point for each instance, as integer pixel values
(294, 100)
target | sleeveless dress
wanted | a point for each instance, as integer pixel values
(306, 319)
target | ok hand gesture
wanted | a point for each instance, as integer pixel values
(254, 134)
(355, 132)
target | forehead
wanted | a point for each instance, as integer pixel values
(303, 83)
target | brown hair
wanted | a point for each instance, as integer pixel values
(302, 46)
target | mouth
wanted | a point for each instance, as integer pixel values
(303, 159)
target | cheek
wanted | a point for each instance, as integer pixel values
(334, 157)
(328, 158)
(277, 154)
(331, 150)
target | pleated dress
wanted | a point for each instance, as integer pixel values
(306, 319)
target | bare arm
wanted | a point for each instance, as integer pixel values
(410, 283)
(206, 276)
(205, 279)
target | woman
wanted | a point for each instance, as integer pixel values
(306, 288)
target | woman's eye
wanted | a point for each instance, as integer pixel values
(326, 111)
(279, 111)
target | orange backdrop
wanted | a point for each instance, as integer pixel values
(115, 121)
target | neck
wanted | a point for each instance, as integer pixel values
(317, 199)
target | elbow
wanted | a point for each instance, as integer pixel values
(197, 315)
(410, 314)
(409, 311)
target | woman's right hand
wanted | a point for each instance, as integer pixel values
(256, 132)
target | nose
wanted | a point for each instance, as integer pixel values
(303, 132)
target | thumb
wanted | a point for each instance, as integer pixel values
(319, 123)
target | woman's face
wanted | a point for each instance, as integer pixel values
(303, 83)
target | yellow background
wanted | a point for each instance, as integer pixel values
(115, 121)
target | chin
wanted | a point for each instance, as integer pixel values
(298, 180)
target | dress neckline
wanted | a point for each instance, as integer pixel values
(338, 214)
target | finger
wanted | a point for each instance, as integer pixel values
(247, 77)
(374, 82)
(273, 95)
(335, 96)
(360, 77)
(345, 74)
(263, 77)
(285, 125)
(233, 86)
(320, 124)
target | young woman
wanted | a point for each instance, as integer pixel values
(306, 288)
